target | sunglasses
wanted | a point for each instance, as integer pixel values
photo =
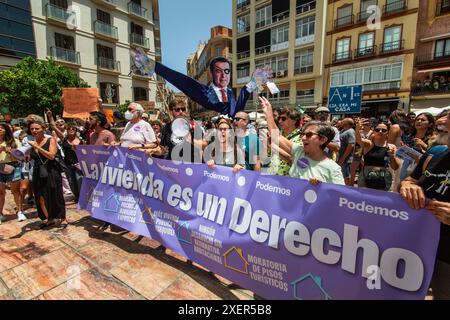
(379, 130)
(238, 119)
(179, 109)
(309, 134)
(130, 109)
(441, 131)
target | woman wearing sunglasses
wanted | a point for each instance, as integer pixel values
(379, 155)
(309, 161)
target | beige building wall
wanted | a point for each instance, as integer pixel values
(47, 22)
(380, 97)
(306, 80)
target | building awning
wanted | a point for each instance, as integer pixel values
(420, 105)
(434, 70)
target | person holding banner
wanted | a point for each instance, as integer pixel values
(309, 161)
(431, 179)
(47, 179)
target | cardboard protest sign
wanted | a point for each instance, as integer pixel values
(79, 102)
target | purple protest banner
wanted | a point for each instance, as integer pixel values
(279, 237)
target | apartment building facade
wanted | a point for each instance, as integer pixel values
(378, 56)
(219, 45)
(431, 79)
(16, 32)
(289, 36)
(94, 39)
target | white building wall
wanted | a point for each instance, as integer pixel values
(86, 42)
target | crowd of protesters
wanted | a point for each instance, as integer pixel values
(352, 151)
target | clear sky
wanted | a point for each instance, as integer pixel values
(185, 23)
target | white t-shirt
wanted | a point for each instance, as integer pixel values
(137, 133)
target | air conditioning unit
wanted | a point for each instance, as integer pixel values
(281, 73)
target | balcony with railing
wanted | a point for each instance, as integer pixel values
(395, 7)
(262, 50)
(65, 55)
(382, 86)
(437, 86)
(342, 56)
(306, 7)
(365, 52)
(243, 55)
(156, 24)
(280, 16)
(106, 3)
(108, 65)
(428, 60)
(362, 16)
(442, 8)
(138, 11)
(139, 40)
(60, 15)
(105, 31)
(344, 21)
(390, 47)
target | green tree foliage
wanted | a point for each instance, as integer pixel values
(32, 85)
(123, 107)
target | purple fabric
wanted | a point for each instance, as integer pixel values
(279, 237)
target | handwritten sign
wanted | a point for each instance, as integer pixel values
(79, 102)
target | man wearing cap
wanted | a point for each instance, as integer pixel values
(138, 134)
(322, 114)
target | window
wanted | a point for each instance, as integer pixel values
(279, 63)
(392, 39)
(442, 48)
(242, 3)
(65, 42)
(343, 49)
(103, 16)
(395, 5)
(140, 94)
(243, 70)
(365, 4)
(344, 16)
(263, 16)
(137, 29)
(280, 34)
(368, 75)
(304, 61)
(219, 51)
(109, 92)
(59, 3)
(243, 24)
(366, 44)
(305, 27)
(445, 7)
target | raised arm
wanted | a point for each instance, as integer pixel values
(277, 139)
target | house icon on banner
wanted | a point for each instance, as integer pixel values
(309, 287)
(112, 203)
(147, 216)
(184, 233)
(235, 260)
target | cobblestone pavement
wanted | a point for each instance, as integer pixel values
(83, 261)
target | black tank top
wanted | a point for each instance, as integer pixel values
(376, 157)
